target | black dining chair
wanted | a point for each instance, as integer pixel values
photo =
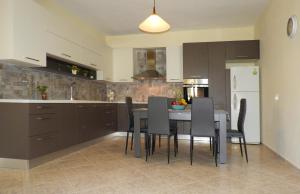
(159, 123)
(239, 133)
(130, 129)
(203, 124)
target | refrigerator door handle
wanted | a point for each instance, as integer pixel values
(234, 82)
(234, 102)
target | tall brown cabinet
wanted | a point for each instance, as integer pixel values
(195, 60)
(207, 60)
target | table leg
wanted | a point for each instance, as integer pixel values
(137, 135)
(223, 139)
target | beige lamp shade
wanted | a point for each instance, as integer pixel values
(154, 24)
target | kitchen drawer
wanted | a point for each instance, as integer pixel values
(110, 125)
(109, 106)
(43, 144)
(42, 108)
(110, 109)
(110, 119)
(109, 112)
(42, 123)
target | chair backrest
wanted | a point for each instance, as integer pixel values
(128, 101)
(203, 117)
(158, 115)
(242, 115)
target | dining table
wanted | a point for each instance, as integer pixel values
(220, 116)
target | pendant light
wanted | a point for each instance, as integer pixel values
(154, 23)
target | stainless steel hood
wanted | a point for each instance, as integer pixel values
(150, 72)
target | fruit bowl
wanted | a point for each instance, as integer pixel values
(178, 107)
(179, 104)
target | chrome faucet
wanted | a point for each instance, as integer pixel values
(71, 88)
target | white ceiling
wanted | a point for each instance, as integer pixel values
(116, 17)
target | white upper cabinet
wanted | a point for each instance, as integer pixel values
(65, 39)
(122, 64)
(174, 64)
(62, 48)
(22, 40)
(30, 31)
(92, 59)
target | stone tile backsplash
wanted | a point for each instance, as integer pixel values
(141, 90)
(19, 82)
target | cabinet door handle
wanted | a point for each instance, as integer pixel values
(175, 79)
(66, 55)
(242, 56)
(234, 102)
(197, 76)
(32, 59)
(45, 138)
(40, 139)
(42, 107)
(42, 118)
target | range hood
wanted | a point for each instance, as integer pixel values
(150, 71)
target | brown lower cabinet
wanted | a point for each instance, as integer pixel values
(43, 144)
(28, 131)
(95, 120)
(69, 125)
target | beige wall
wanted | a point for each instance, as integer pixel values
(280, 72)
(178, 37)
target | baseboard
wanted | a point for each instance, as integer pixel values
(282, 156)
(28, 164)
(14, 163)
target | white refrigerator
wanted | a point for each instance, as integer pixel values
(245, 84)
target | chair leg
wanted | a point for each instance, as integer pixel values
(169, 149)
(146, 145)
(131, 141)
(245, 147)
(149, 144)
(241, 148)
(216, 150)
(191, 149)
(210, 143)
(153, 143)
(145, 141)
(159, 141)
(213, 145)
(175, 145)
(126, 145)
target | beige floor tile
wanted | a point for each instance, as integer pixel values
(104, 168)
